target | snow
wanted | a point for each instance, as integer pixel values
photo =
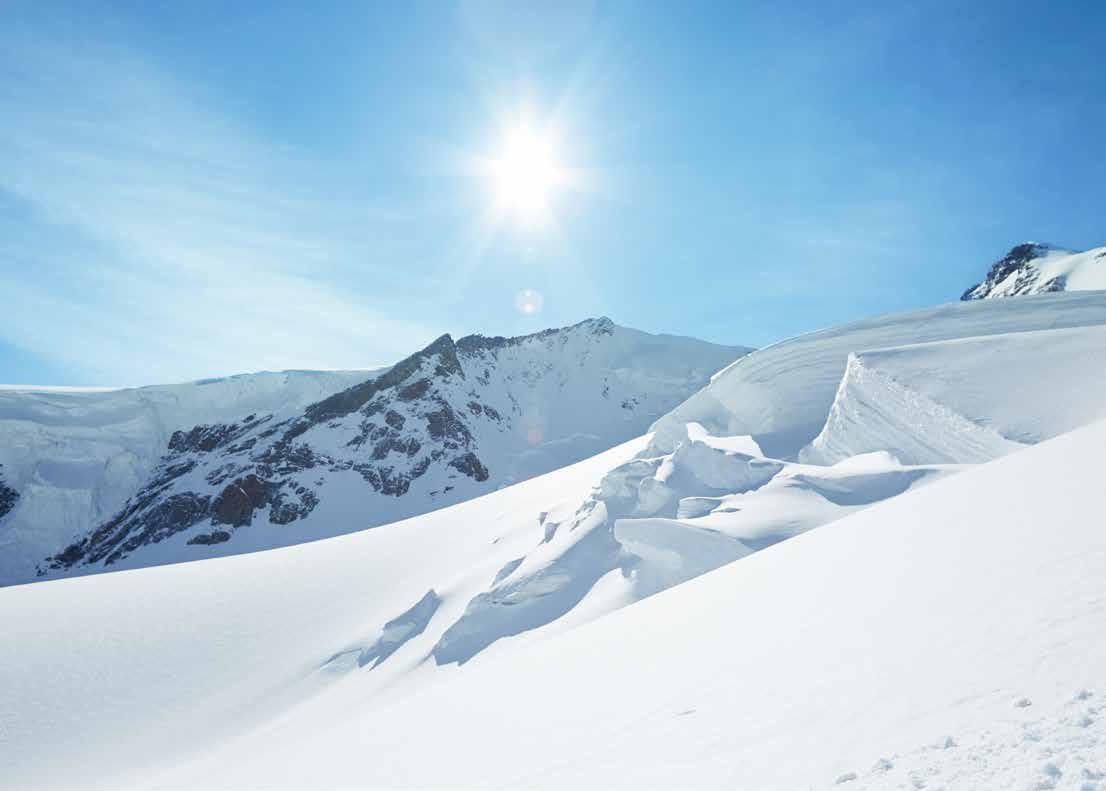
(922, 607)
(129, 670)
(537, 403)
(966, 400)
(780, 395)
(893, 649)
(1051, 269)
(75, 456)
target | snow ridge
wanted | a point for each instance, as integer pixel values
(967, 400)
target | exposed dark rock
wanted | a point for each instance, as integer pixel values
(243, 446)
(391, 430)
(347, 401)
(236, 503)
(1018, 260)
(408, 447)
(205, 438)
(285, 509)
(214, 537)
(414, 390)
(222, 474)
(135, 527)
(444, 425)
(470, 466)
(475, 344)
(285, 457)
(8, 495)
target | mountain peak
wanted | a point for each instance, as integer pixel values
(473, 344)
(1018, 273)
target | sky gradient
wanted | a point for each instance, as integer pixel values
(198, 189)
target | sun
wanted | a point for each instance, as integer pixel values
(526, 174)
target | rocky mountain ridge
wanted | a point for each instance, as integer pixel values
(450, 422)
(1037, 268)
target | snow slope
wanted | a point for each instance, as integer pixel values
(158, 475)
(782, 394)
(113, 674)
(1033, 268)
(354, 661)
(967, 400)
(948, 638)
(74, 458)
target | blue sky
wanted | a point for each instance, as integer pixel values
(196, 189)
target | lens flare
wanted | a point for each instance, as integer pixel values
(529, 302)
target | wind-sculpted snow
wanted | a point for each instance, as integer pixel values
(968, 400)
(448, 423)
(1033, 268)
(396, 632)
(802, 623)
(652, 523)
(902, 417)
(948, 638)
(782, 394)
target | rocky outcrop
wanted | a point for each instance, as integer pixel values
(8, 495)
(393, 430)
(414, 437)
(1034, 268)
(1016, 264)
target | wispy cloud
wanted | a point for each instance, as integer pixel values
(145, 236)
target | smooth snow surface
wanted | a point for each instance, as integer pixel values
(949, 638)
(781, 395)
(690, 609)
(966, 400)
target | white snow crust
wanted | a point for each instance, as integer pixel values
(910, 605)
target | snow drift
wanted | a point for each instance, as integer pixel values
(948, 637)
(967, 400)
(490, 643)
(782, 394)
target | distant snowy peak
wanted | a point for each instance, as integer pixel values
(455, 420)
(1035, 268)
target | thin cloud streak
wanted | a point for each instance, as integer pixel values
(155, 238)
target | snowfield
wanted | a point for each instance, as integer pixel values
(829, 566)
(952, 637)
(974, 403)
(781, 394)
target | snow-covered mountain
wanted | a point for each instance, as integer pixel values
(158, 475)
(1034, 268)
(949, 596)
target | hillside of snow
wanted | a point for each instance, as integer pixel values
(782, 394)
(965, 400)
(71, 458)
(124, 479)
(949, 638)
(1033, 268)
(884, 599)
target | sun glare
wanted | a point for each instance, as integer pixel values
(526, 174)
